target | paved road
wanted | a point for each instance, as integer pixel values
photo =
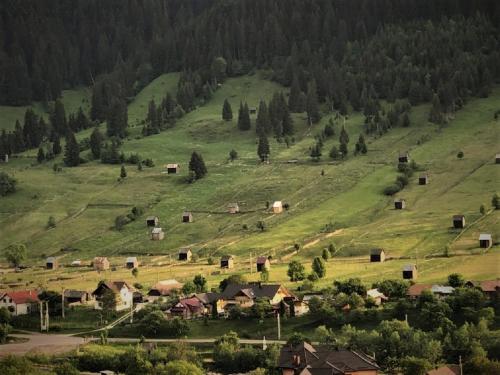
(41, 343)
(189, 341)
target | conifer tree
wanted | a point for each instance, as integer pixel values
(244, 117)
(294, 100)
(227, 112)
(436, 115)
(334, 152)
(58, 118)
(343, 137)
(361, 145)
(262, 123)
(343, 149)
(316, 152)
(56, 146)
(197, 165)
(96, 139)
(319, 267)
(312, 108)
(287, 122)
(123, 172)
(117, 118)
(72, 151)
(263, 148)
(41, 155)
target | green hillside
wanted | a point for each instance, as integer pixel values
(345, 206)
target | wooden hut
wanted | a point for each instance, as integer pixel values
(185, 254)
(187, 217)
(423, 179)
(263, 264)
(51, 263)
(377, 255)
(458, 221)
(227, 261)
(152, 221)
(497, 159)
(173, 168)
(233, 208)
(410, 272)
(252, 110)
(277, 207)
(485, 240)
(399, 204)
(131, 263)
(404, 157)
(100, 263)
(157, 234)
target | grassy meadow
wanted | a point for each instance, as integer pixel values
(343, 206)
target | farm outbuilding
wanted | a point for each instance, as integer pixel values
(277, 207)
(152, 221)
(485, 240)
(51, 263)
(131, 262)
(157, 234)
(497, 159)
(187, 217)
(100, 263)
(263, 264)
(399, 204)
(423, 179)
(173, 168)
(227, 261)
(377, 255)
(185, 254)
(458, 221)
(410, 272)
(252, 110)
(404, 157)
(233, 208)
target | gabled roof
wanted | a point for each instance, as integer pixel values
(164, 287)
(186, 213)
(226, 257)
(376, 251)
(409, 267)
(114, 286)
(251, 290)
(100, 259)
(262, 260)
(458, 217)
(185, 250)
(277, 204)
(489, 285)
(151, 218)
(207, 298)
(485, 237)
(445, 370)
(51, 260)
(131, 260)
(172, 165)
(416, 290)
(72, 293)
(22, 296)
(232, 205)
(192, 303)
(442, 289)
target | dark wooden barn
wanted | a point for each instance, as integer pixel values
(399, 204)
(458, 221)
(410, 272)
(377, 255)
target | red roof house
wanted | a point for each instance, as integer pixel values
(20, 302)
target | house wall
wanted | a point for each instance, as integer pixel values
(16, 310)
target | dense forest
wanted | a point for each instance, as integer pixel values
(347, 54)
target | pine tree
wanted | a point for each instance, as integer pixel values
(117, 118)
(244, 117)
(263, 148)
(262, 123)
(72, 151)
(287, 123)
(316, 152)
(197, 165)
(58, 118)
(319, 267)
(312, 108)
(227, 112)
(334, 153)
(96, 139)
(361, 145)
(123, 172)
(56, 146)
(436, 116)
(294, 100)
(41, 155)
(343, 137)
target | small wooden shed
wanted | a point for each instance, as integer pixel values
(152, 221)
(377, 255)
(497, 159)
(157, 234)
(100, 263)
(263, 264)
(252, 110)
(227, 261)
(277, 207)
(131, 263)
(233, 208)
(423, 179)
(173, 168)
(485, 240)
(185, 254)
(458, 221)
(399, 204)
(187, 217)
(51, 263)
(404, 157)
(410, 272)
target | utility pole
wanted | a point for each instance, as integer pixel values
(132, 312)
(279, 326)
(62, 303)
(250, 263)
(460, 364)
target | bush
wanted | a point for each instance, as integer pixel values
(402, 180)
(51, 223)
(392, 189)
(7, 184)
(120, 222)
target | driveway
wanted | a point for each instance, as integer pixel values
(41, 343)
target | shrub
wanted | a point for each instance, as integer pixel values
(402, 180)
(51, 223)
(7, 184)
(460, 154)
(392, 189)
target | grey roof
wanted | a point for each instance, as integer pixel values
(72, 293)
(157, 230)
(376, 251)
(485, 237)
(131, 259)
(409, 267)
(226, 257)
(51, 259)
(442, 289)
(207, 298)
(185, 250)
(458, 217)
(251, 290)
(151, 218)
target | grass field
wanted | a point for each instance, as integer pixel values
(347, 198)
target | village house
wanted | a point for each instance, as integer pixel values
(404, 157)
(157, 234)
(423, 179)
(445, 370)
(377, 296)
(410, 272)
(124, 294)
(100, 263)
(77, 297)
(304, 359)
(485, 240)
(132, 262)
(188, 308)
(187, 217)
(21, 302)
(233, 208)
(263, 263)
(227, 261)
(277, 207)
(210, 301)
(164, 288)
(185, 254)
(173, 168)
(399, 204)
(441, 291)
(490, 288)
(51, 263)
(458, 221)
(377, 255)
(152, 221)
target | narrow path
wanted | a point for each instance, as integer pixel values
(41, 343)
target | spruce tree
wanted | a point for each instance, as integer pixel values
(361, 145)
(227, 112)
(263, 148)
(343, 149)
(123, 172)
(436, 115)
(316, 152)
(96, 139)
(287, 123)
(56, 146)
(312, 108)
(343, 137)
(294, 100)
(319, 267)
(244, 117)
(197, 165)
(58, 118)
(72, 151)
(117, 118)
(262, 123)
(41, 155)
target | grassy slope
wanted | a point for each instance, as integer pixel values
(348, 196)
